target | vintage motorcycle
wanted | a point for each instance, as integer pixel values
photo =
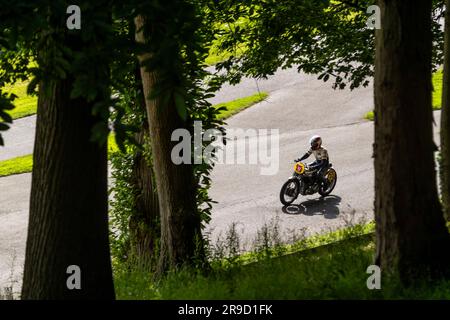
(304, 181)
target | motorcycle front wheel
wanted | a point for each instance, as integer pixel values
(289, 192)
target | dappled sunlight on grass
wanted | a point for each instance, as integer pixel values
(25, 105)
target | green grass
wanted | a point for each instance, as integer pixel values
(436, 96)
(25, 105)
(25, 164)
(369, 116)
(235, 106)
(333, 271)
(437, 90)
(112, 145)
(16, 165)
(254, 275)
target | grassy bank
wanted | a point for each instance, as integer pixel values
(328, 272)
(25, 105)
(271, 270)
(24, 164)
(333, 271)
(235, 106)
(16, 165)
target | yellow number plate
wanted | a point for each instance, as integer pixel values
(299, 167)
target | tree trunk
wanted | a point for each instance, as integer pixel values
(68, 222)
(445, 120)
(144, 222)
(410, 228)
(180, 223)
(68, 236)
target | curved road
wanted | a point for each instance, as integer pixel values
(299, 106)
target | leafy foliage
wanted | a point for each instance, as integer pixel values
(323, 37)
(36, 31)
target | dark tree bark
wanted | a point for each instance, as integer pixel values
(410, 227)
(180, 223)
(144, 222)
(68, 222)
(445, 119)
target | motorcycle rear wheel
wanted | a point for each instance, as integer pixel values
(331, 177)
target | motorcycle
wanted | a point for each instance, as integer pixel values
(304, 181)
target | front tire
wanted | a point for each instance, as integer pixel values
(289, 192)
(331, 177)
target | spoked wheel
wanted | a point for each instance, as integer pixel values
(328, 186)
(289, 192)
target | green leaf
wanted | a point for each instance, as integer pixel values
(5, 116)
(180, 105)
(31, 89)
(3, 126)
(223, 108)
(13, 96)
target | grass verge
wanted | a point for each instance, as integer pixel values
(238, 105)
(436, 97)
(16, 165)
(24, 164)
(25, 105)
(336, 270)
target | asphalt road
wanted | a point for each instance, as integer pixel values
(298, 106)
(304, 106)
(19, 139)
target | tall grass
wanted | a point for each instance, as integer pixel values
(318, 267)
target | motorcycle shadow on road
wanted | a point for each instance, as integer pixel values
(327, 206)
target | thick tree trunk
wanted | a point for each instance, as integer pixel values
(68, 222)
(180, 223)
(144, 223)
(410, 229)
(68, 236)
(445, 120)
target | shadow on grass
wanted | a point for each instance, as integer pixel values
(326, 206)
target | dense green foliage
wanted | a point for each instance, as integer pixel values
(327, 38)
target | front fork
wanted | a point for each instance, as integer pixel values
(300, 184)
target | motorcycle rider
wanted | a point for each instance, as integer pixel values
(321, 155)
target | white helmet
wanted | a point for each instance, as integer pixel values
(315, 142)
